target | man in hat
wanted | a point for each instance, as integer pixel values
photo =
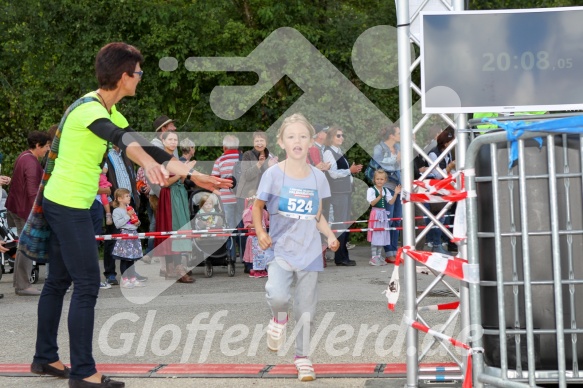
(161, 125)
(316, 152)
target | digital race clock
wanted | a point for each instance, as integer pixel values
(502, 61)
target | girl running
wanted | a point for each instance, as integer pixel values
(293, 191)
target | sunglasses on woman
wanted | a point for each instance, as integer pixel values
(339, 135)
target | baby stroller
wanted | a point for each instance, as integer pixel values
(212, 251)
(10, 238)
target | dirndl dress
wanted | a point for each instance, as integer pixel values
(128, 249)
(379, 218)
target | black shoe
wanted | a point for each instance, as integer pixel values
(46, 369)
(347, 263)
(112, 280)
(106, 382)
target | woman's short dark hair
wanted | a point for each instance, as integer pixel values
(387, 131)
(37, 137)
(331, 134)
(445, 136)
(113, 60)
(260, 134)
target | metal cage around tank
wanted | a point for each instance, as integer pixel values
(525, 231)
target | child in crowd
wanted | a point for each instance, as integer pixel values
(127, 251)
(254, 256)
(293, 191)
(207, 217)
(104, 183)
(379, 197)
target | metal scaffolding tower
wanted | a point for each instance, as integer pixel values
(408, 14)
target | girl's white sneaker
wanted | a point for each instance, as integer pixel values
(126, 283)
(376, 261)
(275, 335)
(305, 369)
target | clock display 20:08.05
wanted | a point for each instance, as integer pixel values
(525, 61)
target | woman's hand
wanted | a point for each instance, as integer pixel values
(2, 249)
(450, 166)
(190, 164)
(333, 243)
(272, 161)
(264, 240)
(156, 173)
(261, 160)
(4, 180)
(211, 183)
(355, 168)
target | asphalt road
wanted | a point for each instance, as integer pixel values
(221, 320)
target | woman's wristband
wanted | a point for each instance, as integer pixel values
(189, 175)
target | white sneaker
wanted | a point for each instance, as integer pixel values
(126, 283)
(276, 333)
(377, 261)
(350, 245)
(104, 285)
(137, 283)
(305, 369)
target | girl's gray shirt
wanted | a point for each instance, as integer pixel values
(292, 205)
(121, 219)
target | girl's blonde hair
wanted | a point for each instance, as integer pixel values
(207, 197)
(117, 194)
(380, 171)
(295, 118)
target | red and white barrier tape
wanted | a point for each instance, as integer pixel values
(356, 230)
(440, 307)
(468, 377)
(388, 219)
(225, 233)
(436, 190)
(173, 234)
(430, 198)
(449, 265)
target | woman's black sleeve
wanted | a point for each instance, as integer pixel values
(107, 130)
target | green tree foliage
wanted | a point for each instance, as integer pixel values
(47, 50)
